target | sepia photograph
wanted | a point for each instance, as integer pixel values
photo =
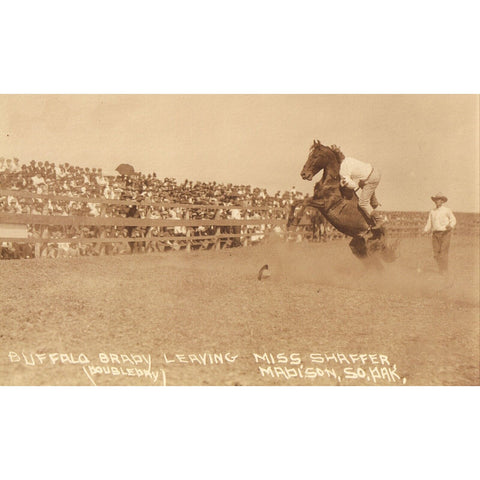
(271, 209)
(239, 240)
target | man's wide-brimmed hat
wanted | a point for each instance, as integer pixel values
(440, 196)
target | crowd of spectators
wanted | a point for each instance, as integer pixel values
(82, 185)
(66, 179)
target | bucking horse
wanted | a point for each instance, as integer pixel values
(340, 207)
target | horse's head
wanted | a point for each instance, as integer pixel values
(319, 157)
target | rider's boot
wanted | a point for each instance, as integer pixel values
(377, 220)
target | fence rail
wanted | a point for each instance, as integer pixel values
(216, 231)
(23, 219)
(401, 224)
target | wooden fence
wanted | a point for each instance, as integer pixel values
(401, 224)
(411, 224)
(272, 217)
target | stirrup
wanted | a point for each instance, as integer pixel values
(378, 224)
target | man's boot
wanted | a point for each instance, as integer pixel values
(377, 220)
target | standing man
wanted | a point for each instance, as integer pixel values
(440, 222)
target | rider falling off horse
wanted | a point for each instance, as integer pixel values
(363, 178)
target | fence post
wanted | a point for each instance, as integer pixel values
(38, 244)
(245, 240)
(187, 217)
(218, 242)
(44, 234)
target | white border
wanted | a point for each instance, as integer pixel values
(229, 432)
(248, 47)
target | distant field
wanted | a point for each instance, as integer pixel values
(204, 319)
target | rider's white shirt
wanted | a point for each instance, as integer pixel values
(353, 170)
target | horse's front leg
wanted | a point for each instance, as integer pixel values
(292, 218)
(295, 217)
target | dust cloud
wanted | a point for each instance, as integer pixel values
(332, 264)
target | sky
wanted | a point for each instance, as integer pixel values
(422, 144)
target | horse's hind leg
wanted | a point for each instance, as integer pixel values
(358, 247)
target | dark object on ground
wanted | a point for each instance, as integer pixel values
(263, 273)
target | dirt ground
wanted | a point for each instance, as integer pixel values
(203, 318)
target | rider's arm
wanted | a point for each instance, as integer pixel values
(345, 178)
(348, 182)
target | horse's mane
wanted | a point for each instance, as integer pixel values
(337, 152)
(339, 156)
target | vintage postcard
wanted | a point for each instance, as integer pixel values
(239, 240)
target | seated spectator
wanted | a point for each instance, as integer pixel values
(38, 180)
